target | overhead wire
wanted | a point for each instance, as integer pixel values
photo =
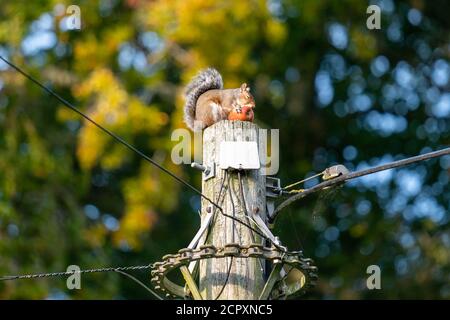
(120, 270)
(227, 277)
(128, 145)
(353, 175)
(139, 282)
(68, 273)
(208, 230)
(299, 195)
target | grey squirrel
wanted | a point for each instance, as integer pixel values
(207, 102)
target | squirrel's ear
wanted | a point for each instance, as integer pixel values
(244, 87)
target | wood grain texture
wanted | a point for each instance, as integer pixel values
(246, 276)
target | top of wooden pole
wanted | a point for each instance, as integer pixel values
(245, 279)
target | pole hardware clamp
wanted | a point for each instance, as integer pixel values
(208, 171)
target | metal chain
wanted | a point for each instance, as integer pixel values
(185, 256)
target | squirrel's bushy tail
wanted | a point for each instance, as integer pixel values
(207, 79)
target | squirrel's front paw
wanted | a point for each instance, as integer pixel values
(242, 114)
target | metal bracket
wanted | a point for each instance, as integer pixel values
(261, 225)
(208, 171)
(190, 282)
(273, 188)
(273, 278)
(196, 243)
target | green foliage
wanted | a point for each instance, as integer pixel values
(338, 92)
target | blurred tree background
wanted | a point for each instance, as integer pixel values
(338, 92)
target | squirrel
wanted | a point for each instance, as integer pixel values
(207, 102)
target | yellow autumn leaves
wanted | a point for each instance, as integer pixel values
(196, 34)
(111, 106)
(115, 109)
(216, 33)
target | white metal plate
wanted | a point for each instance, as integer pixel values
(239, 155)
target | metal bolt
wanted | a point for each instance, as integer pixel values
(199, 166)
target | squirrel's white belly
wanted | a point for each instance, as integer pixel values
(216, 111)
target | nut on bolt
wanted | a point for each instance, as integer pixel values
(200, 167)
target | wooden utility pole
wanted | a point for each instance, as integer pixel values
(245, 279)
